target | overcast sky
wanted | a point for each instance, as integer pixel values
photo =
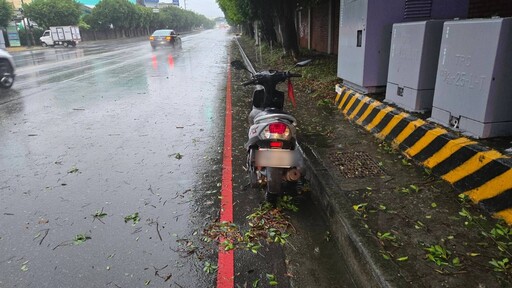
(208, 8)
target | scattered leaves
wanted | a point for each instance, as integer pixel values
(209, 267)
(439, 255)
(360, 207)
(99, 214)
(502, 265)
(81, 238)
(73, 170)
(386, 236)
(266, 223)
(132, 217)
(24, 266)
(272, 280)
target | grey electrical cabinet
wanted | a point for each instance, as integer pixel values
(364, 38)
(365, 35)
(472, 91)
(413, 64)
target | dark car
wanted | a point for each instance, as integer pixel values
(165, 37)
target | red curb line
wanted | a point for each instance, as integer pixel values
(226, 270)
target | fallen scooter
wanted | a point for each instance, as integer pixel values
(273, 159)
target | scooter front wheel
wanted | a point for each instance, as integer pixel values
(274, 187)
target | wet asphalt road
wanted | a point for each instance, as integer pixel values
(114, 128)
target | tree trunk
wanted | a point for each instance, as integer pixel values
(248, 29)
(286, 16)
(267, 22)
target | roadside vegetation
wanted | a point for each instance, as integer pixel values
(6, 12)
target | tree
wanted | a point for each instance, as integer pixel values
(265, 13)
(286, 16)
(144, 17)
(182, 20)
(118, 13)
(129, 18)
(236, 11)
(6, 11)
(269, 13)
(48, 13)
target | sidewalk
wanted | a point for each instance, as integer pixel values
(396, 223)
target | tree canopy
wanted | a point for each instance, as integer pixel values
(237, 11)
(118, 13)
(6, 11)
(110, 14)
(123, 14)
(48, 13)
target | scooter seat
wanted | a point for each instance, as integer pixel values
(274, 114)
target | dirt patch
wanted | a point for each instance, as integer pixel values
(414, 222)
(356, 164)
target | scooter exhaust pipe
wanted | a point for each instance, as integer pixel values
(292, 175)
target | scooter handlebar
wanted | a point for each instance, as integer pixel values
(275, 76)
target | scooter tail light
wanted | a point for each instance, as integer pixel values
(276, 144)
(276, 130)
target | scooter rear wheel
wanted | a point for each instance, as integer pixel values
(253, 177)
(274, 181)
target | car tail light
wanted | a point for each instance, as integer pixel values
(151, 38)
(276, 130)
(168, 38)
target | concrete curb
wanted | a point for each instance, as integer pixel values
(481, 173)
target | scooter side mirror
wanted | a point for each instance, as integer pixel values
(238, 65)
(303, 63)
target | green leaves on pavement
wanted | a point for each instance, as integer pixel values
(132, 217)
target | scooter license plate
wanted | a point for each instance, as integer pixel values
(275, 158)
